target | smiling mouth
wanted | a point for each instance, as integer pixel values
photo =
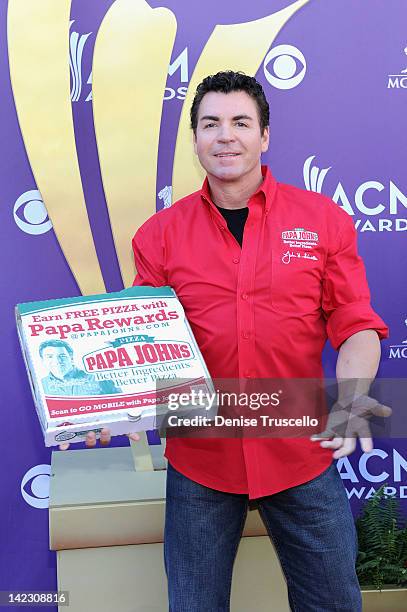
(226, 154)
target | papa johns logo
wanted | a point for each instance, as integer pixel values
(35, 486)
(358, 205)
(300, 234)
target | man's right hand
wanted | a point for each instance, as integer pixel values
(105, 437)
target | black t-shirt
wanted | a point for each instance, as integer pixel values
(235, 219)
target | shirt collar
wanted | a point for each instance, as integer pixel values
(267, 188)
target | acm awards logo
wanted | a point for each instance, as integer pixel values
(380, 202)
(284, 67)
(76, 46)
(399, 351)
(398, 81)
(166, 196)
(361, 481)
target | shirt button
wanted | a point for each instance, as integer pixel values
(244, 296)
(236, 260)
(248, 374)
(246, 335)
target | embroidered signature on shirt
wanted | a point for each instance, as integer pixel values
(289, 255)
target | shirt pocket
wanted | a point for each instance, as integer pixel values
(296, 281)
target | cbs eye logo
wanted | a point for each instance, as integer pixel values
(35, 486)
(30, 213)
(284, 67)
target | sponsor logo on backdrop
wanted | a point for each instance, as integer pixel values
(179, 68)
(176, 68)
(399, 351)
(372, 470)
(372, 212)
(284, 66)
(76, 45)
(30, 213)
(35, 486)
(166, 196)
(398, 81)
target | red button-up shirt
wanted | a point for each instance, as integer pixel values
(263, 310)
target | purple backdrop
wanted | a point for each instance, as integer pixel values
(346, 115)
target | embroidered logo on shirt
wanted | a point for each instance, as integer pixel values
(300, 238)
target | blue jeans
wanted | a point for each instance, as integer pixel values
(311, 526)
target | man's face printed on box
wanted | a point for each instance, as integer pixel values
(57, 360)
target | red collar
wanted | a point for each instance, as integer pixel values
(267, 187)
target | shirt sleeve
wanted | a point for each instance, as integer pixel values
(148, 257)
(345, 292)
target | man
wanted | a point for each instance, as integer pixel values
(64, 378)
(265, 272)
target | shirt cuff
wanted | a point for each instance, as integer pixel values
(349, 319)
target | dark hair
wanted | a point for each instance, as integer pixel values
(225, 82)
(57, 344)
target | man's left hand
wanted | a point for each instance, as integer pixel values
(348, 420)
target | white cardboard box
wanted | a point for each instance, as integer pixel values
(108, 361)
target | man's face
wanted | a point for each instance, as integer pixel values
(228, 140)
(57, 360)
